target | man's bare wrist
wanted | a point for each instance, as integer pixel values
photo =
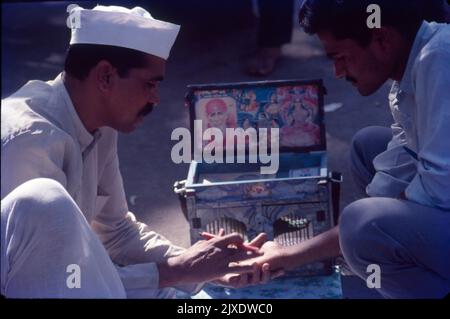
(288, 257)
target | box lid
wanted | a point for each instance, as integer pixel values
(295, 107)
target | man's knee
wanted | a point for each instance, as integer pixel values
(366, 228)
(363, 140)
(371, 140)
(365, 146)
(39, 190)
(350, 220)
(357, 232)
(363, 136)
(40, 202)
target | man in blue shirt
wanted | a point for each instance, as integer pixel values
(403, 227)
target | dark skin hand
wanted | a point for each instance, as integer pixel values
(204, 261)
(261, 274)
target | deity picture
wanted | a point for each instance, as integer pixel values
(291, 109)
(300, 129)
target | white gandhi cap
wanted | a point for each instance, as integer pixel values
(118, 26)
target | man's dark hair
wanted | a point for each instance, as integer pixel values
(347, 19)
(81, 58)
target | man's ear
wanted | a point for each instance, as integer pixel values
(105, 74)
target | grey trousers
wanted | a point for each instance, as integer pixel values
(409, 242)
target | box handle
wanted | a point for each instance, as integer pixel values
(180, 187)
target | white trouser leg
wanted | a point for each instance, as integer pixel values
(43, 232)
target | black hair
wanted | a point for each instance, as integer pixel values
(81, 58)
(347, 19)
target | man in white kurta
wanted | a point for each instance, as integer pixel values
(65, 226)
(42, 136)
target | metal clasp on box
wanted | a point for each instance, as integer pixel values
(179, 188)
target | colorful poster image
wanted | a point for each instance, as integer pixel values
(294, 110)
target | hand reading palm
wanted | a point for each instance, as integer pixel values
(262, 265)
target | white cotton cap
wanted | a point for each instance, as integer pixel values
(118, 26)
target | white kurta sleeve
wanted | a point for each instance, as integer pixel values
(129, 243)
(36, 152)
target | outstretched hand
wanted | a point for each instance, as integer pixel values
(273, 254)
(207, 260)
(261, 272)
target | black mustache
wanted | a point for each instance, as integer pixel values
(146, 110)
